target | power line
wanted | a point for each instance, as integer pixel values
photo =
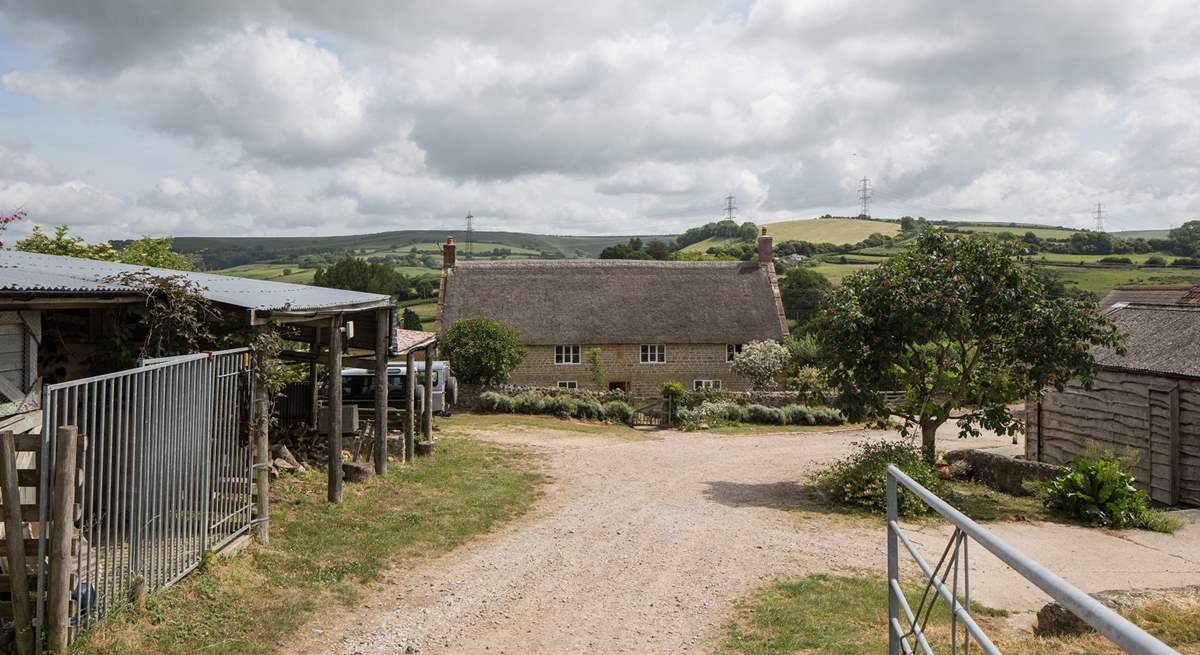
(1099, 217)
(730, 207)
(864, 196)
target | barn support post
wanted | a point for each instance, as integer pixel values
(383, 325)
(262, 463)
(62, 529)
(427, 415)
(335, 411)
(410, 383)
(14, 533)
(314, 398)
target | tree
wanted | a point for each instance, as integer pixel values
(962, 327)
(6, 220)
(907, 224)
(801, 291)
(482, 350)
(353, 274)
(1185, 239)
(761, 362)
(147, 251)
(409, 320)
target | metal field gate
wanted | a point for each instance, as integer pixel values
(164, 473)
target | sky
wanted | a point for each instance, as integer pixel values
(309, 117)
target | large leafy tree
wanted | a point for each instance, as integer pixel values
(147, 251)
(481, 350)
(801, 291)
(962, 328)
(1185, 239)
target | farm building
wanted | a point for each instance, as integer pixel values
(1144, 294)
(1145, 403)
(651, 321)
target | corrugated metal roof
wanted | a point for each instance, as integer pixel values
(24, 273)
(1158, 340)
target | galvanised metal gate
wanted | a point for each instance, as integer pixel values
(164, 473)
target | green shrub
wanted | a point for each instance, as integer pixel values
(494, 401)
(1098, 489)
(764, 414)
(589, 410)
(798, 415)
(705, 395)
(530, 402)
(860, 479)
(675, 395)
(618, 411)
(562, 406)
(828, 416)
(1156, 261)
(721, 413)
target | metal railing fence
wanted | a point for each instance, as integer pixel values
(955, 559)
(164, 473)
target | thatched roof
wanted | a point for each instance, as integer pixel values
(618, 301)
(1145, 294)
(1159, 340)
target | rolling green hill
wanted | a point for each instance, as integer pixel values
(228, 252)
(816, 230)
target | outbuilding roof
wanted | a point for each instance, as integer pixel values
(24, 274)
(604, 301)
(1159, 339)
(1145, 294)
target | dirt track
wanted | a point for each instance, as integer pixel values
(642, 546)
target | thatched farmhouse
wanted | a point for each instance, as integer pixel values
(1146, 403)
(651, 321)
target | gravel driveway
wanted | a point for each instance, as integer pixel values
(642, 547)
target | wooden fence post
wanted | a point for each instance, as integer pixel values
(58, 620)
(14, 537)
(262, 465)
(335, 411)
(383, 325)
(427, 415)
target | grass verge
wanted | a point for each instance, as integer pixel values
(467, 422)
(847, 614)
(321, 555)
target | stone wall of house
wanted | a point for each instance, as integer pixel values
(622, 363)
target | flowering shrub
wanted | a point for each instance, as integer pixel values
(860, 479)
(618, 411)
(761, 362)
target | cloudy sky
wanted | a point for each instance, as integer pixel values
(295, 117)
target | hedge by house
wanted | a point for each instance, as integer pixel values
(562, 406)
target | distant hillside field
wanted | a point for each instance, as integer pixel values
(816, 230)
(1042, 231)
(1142, 234)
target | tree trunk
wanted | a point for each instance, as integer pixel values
(929, 441)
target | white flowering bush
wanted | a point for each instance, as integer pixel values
(762, 363)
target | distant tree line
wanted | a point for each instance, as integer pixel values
(354, 274)
(636, 249)
(724, 229)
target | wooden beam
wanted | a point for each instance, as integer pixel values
(427, 414)
(383, 324)
(335, 410)
(410, 393)
(62, 528)
(262, 464)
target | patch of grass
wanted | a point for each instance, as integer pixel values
(754, 428)
(847, 614)
(467, 422)
(320, 555)
(984, 504)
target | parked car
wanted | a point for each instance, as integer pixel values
(358, 386)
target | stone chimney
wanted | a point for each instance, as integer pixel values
(448, 253)
(766, 250)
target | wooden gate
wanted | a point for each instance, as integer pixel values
(650, 414)
(1164, 443)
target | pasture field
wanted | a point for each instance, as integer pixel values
(1101, 279)
(272, 272)
(1066, 258)
(1142, 234)
(1042, 231)
(835, 272)
(815, 230)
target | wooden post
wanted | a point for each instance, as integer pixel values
(335, 411)
(410, 384)
(262, 464)
(62, 529)
(383, 326)
(14, 536)
(427, 415)
(314, 396)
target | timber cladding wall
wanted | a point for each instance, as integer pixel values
(685, 364)
(1156, 419)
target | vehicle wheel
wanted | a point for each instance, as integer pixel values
(451, 392)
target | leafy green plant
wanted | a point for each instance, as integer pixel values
(828, 416)
(762, 363)
(562, 406)
(482, 350)
(764, 414)
(1099, 489)
(531, 402)
(721, 413)
(618, 411)
(589, 410)
(798, 415)
(860, 479)
(596, 367)
(676, 397)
